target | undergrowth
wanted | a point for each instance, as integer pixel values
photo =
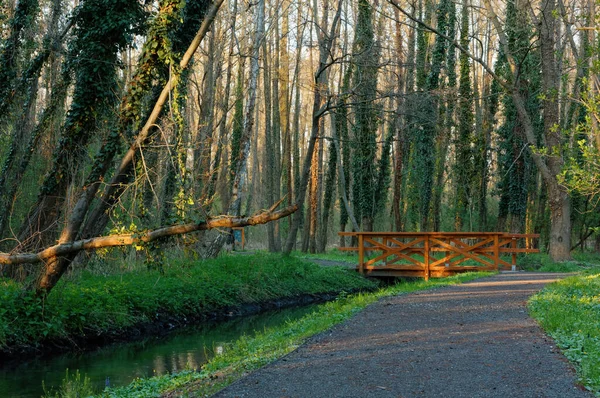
(73, 386)
(350, 257)
(543, 263)
(569, 311)
(248, 354)
(92, 305)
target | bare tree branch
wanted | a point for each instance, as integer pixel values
(263, 217)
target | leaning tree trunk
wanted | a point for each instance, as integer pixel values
(56, 266)
(550, 166)
(99, 216)
(70, 249)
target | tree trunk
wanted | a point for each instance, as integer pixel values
(242, 157)
(558, 197)
(313, 198)
(325, 44)
(560, 223)
(99, 217)
(56, 266)
(329, 194)
(284, 105)
(70, 249)
(269, 155)
(399, 147)
(206, 122)
(276, 129)
(216, 165)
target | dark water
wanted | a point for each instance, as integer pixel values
(186, 348)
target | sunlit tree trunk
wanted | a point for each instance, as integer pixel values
(326, 40)
(240, 175)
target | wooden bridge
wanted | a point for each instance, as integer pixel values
(437, 254)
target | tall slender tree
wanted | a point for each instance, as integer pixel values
(364, 82)
(464, 169)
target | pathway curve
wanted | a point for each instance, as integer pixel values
(469, 340)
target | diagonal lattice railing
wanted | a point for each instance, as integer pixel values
(435, 254)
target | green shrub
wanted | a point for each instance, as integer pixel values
(73, 386)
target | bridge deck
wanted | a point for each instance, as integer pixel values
(436, 254)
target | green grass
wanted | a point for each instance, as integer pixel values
(543, 263)
(97, 305)
(332, 255)
(248, 354)
(569, 311)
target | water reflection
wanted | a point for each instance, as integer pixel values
(187, 348)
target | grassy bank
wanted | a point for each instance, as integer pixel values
(569, 311)
(90, 306)
(248, 354)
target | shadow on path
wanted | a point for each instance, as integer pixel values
(469, 340)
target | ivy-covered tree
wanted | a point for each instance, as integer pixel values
(24, 18)
(426, 113)
(55, 267)
(464, 171)
(364, 82)
(18, 107)
(447, 104)
(102, 29)
(341, 120)
(516, 169)
(169, 30)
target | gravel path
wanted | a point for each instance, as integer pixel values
(470, 340)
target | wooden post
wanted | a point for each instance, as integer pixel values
(514, 254)
(361, 253)
(385, 243)
(496, 251)
(447, 263)
(426, 256)
(242, 236)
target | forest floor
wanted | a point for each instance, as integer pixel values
(470, 340)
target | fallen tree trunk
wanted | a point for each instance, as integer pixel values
(99, 242)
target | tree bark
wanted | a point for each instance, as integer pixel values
(215, 169)
(54, 272)
(56, 266)
(550, 166)
(558, 197)
(269, 155)
(99, 217)
(242, 157)
(325, 44)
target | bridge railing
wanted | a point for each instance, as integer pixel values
(436, 254)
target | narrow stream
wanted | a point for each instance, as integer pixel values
(119, 364)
